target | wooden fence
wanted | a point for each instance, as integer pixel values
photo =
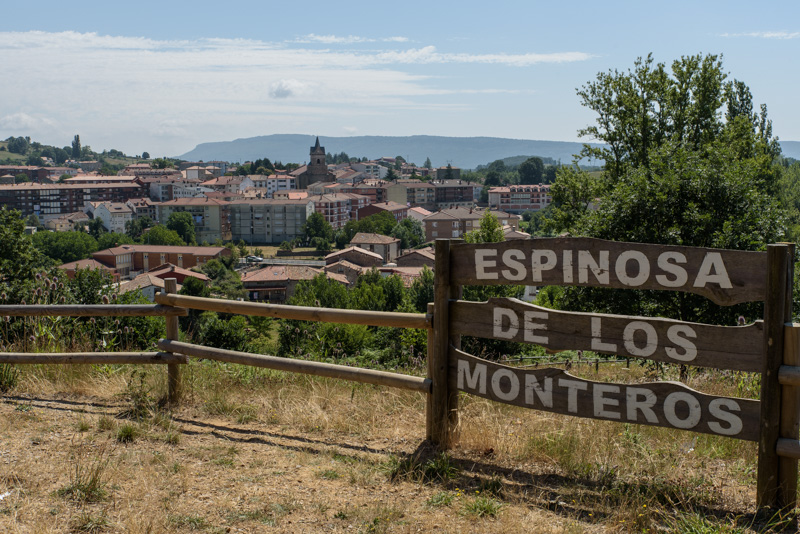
(770, 347)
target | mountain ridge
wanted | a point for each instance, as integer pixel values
(464, 152)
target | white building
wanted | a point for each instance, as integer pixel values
(115, 215)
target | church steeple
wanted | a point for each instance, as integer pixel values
(317, 169)
(317, 150)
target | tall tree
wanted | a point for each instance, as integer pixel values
(531, 171)
(317, 226)
(161, 235)
(18, 257)
(65, 247)
(181, 222)
(675, 172)
(76, 147)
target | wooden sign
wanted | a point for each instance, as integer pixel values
(665, 404)
(739, 348)
(724, 276)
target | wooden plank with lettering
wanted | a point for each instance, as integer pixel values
(738, 348)
(665, 404)
(724, 276)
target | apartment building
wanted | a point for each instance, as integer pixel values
(51, 201)
(211, 217)
(371, 168)
(520, 198)
(387, 247)
(268, 221)
(143, 207)
(412, 193)
(454, 223)
(229, 184)
(339, 208)
(455, 193)
(268, 185)
(166, 188)
(115, 215)
(128, 260)
(398, 211)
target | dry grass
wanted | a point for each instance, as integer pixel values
(255, 450)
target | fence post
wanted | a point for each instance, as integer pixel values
(790, 421)
(442, 403)
(431, 428)
(770, 492)
(173, 369)
(790, 400)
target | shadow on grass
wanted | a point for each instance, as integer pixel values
(591, 497)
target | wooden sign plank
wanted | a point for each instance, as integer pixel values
(665, 404)
(738, 348)
(724, 276)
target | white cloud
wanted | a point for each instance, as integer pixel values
(287, 88)
(23, 121)
(173, 128)
(350, 130)
(429, 54)
(765, 35)
(350, 39)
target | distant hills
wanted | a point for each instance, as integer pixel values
(464, 152)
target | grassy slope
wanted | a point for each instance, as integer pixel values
(251, 448)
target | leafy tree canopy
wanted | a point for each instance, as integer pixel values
(64, 247)
(676, 171)
(181, 222)
(161, 235)
(317, 227)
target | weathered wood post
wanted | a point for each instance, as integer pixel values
(790, 420)
(442, 412)
(776, 486)
(173, 369)
(790, 397)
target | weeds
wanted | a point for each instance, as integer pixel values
(440, 468)
(483, 506)
(127, 433)
(9, 376)
(88, 480)
(329, 474)
(88, 522)
(137, 392)
(443, 498)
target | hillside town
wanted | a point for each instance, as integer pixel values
(268, 208)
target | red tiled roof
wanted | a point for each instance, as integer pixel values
(276, 273)
(170, 268)
(357, 250)
(159, 249)
(373, 239)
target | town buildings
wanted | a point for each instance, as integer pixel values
(454, 223)
(127, 260)
(211, 217)
(267, 221)
(520, 198)
(51, 201)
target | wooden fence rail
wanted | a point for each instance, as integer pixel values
(301, 313)
(96, 358)
(329, 370)
(91, 310)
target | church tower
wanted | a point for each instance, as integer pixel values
(317, 169)
(316, 164)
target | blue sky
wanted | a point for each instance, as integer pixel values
(164, 76)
